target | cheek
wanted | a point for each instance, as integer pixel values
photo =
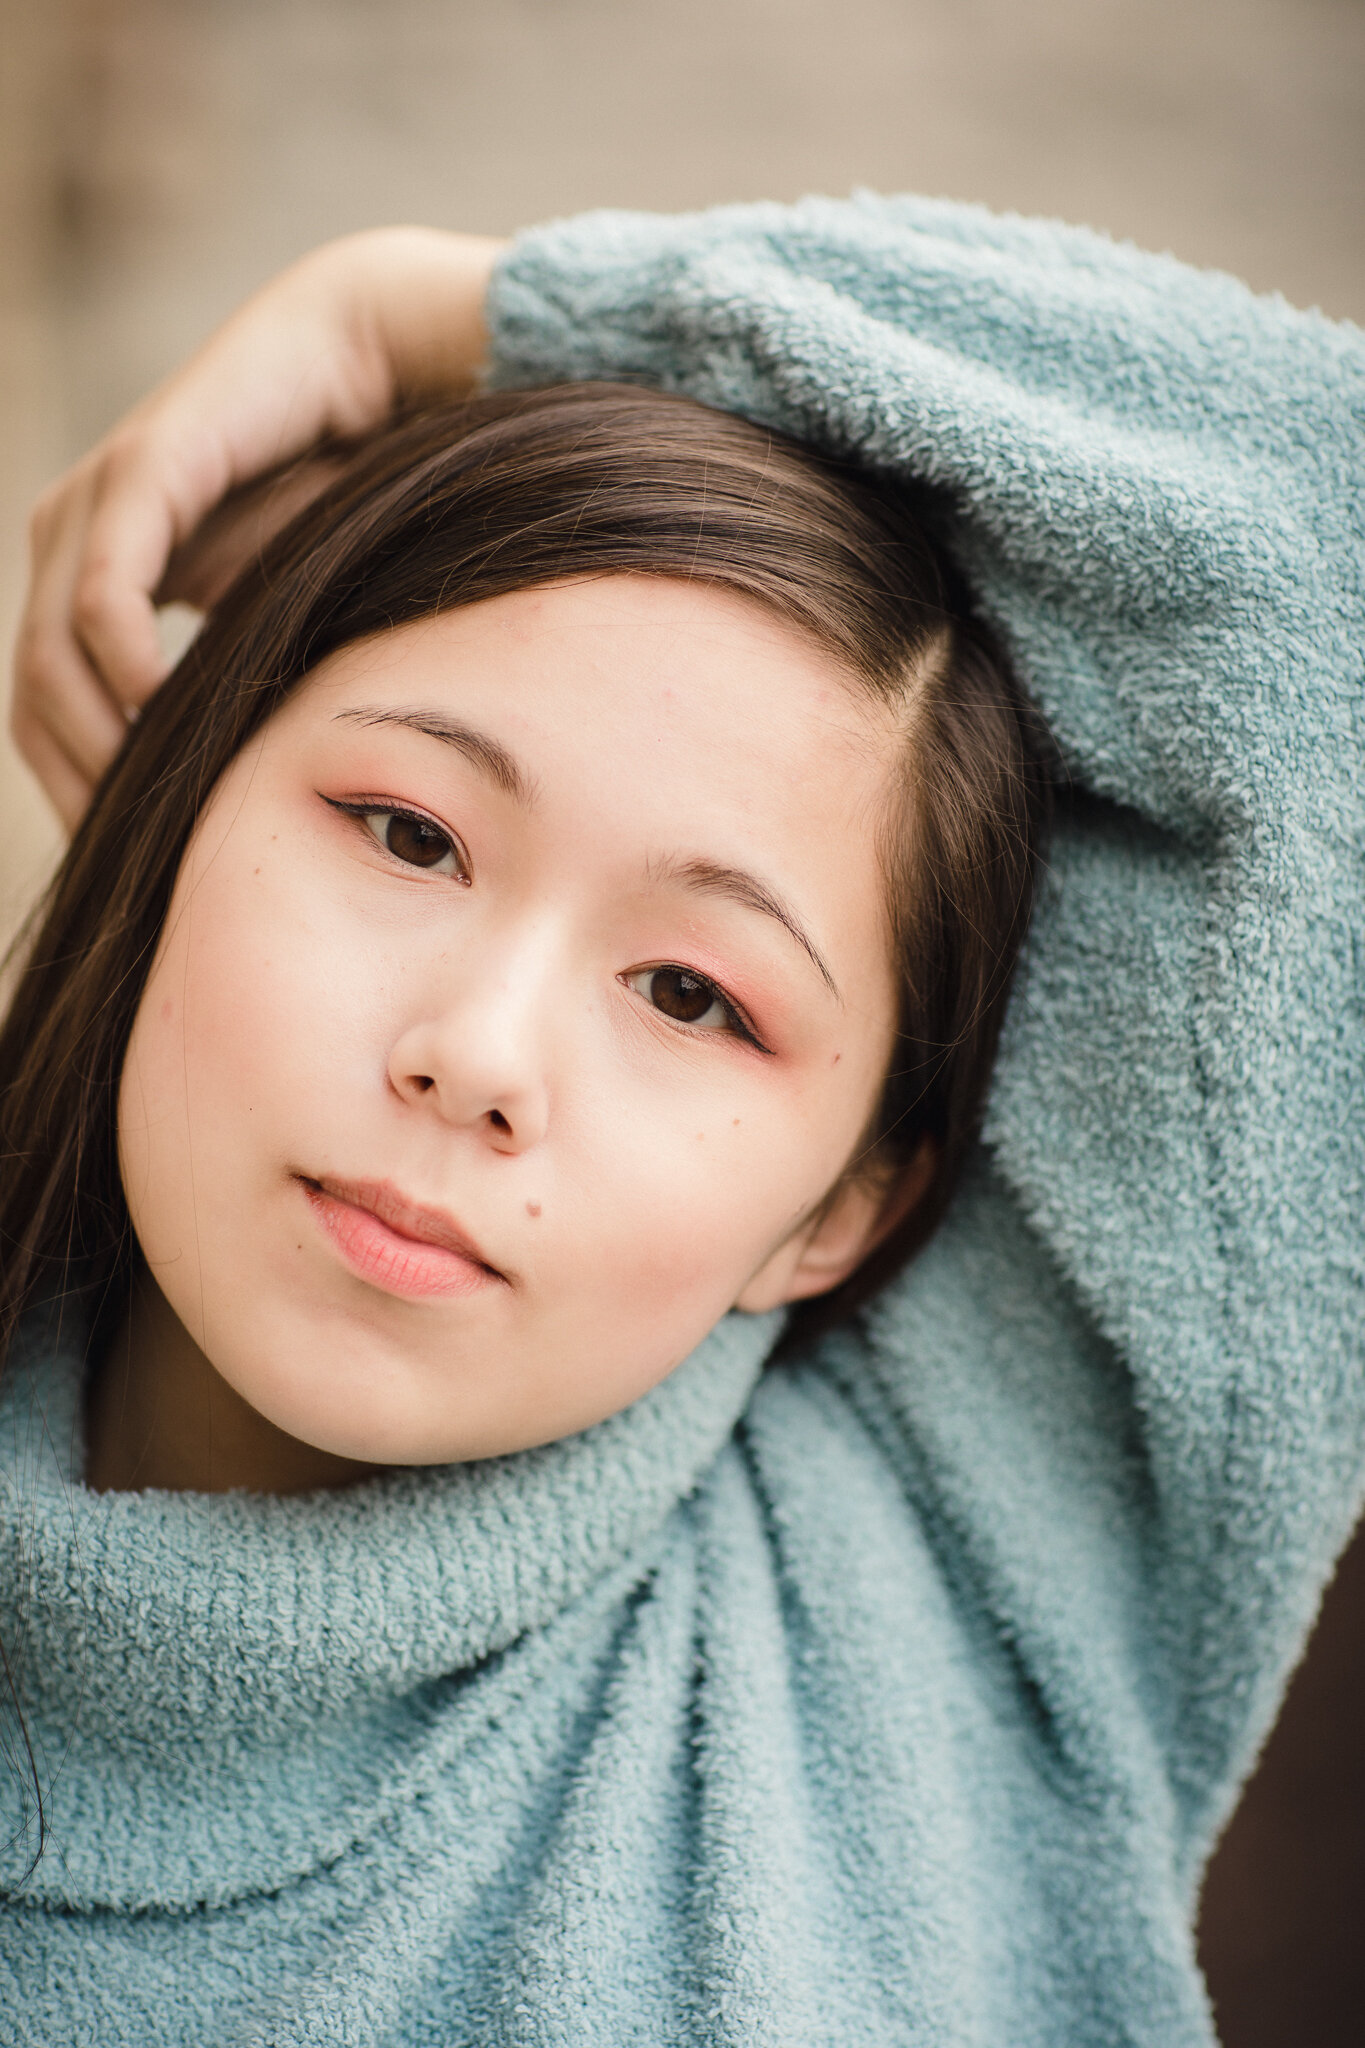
(699, 1202)
(241, 1027)
(153, 1129)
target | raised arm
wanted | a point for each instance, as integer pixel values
(1127, 1384)
(327, 349)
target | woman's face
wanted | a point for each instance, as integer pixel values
(524, 991)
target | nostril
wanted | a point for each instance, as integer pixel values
(421, 1082)
(499, 1121)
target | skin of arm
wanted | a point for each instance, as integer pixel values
(182, 489)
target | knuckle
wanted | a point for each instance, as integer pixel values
(23, 727)
(115, 456)
(90, 596)
(37, 660)
(61, 497)
(43, 515)
(123, 456)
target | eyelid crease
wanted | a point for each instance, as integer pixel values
(713, 878)
(480, 749)
(362, 807)
(744, 1028)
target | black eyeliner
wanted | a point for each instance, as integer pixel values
(744, 1029)
(385, 806)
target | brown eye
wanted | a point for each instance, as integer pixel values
(414, 840)
(684, 997)
(689, 999)
(680, 995)
(408, 836)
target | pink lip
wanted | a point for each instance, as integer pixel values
(397, 1244)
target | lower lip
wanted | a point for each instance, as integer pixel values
(386, 1258)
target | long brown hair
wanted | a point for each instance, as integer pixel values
(499, 494)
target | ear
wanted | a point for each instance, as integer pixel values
(827, 1247)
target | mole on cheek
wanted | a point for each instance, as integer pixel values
(533, 1208)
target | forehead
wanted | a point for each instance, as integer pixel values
(716, 689)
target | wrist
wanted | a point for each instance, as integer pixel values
(410, 302)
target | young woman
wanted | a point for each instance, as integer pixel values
(568, 893)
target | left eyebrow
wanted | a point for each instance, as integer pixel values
(711, 878)
(480, 748)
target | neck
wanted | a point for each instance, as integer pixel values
(160, 1416)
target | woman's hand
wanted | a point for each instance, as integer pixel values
(328, 348)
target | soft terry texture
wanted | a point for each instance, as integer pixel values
(891, 1697)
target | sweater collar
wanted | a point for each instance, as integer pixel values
(158, 1630)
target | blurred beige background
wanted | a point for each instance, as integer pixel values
(159, 157)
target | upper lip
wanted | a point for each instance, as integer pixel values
(401, 1213)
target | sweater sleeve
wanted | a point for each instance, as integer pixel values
(1126, 1381)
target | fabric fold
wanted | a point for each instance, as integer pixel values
(332, 1650)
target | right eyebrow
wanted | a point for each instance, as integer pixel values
(713, 879)
(488, 755)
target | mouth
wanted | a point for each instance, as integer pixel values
(396, 1244)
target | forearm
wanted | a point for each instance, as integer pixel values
(408, 303)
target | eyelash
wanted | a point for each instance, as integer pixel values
(739, 1025)
(362, 809)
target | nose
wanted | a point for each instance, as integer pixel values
(474, 1055)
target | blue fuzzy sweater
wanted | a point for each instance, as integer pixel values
(895, 1695)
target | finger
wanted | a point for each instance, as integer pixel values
(53, 677)
(120, 558)
(173, 462)
(235, 532)
(57, 689)
(67, 790)
(117, 633)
